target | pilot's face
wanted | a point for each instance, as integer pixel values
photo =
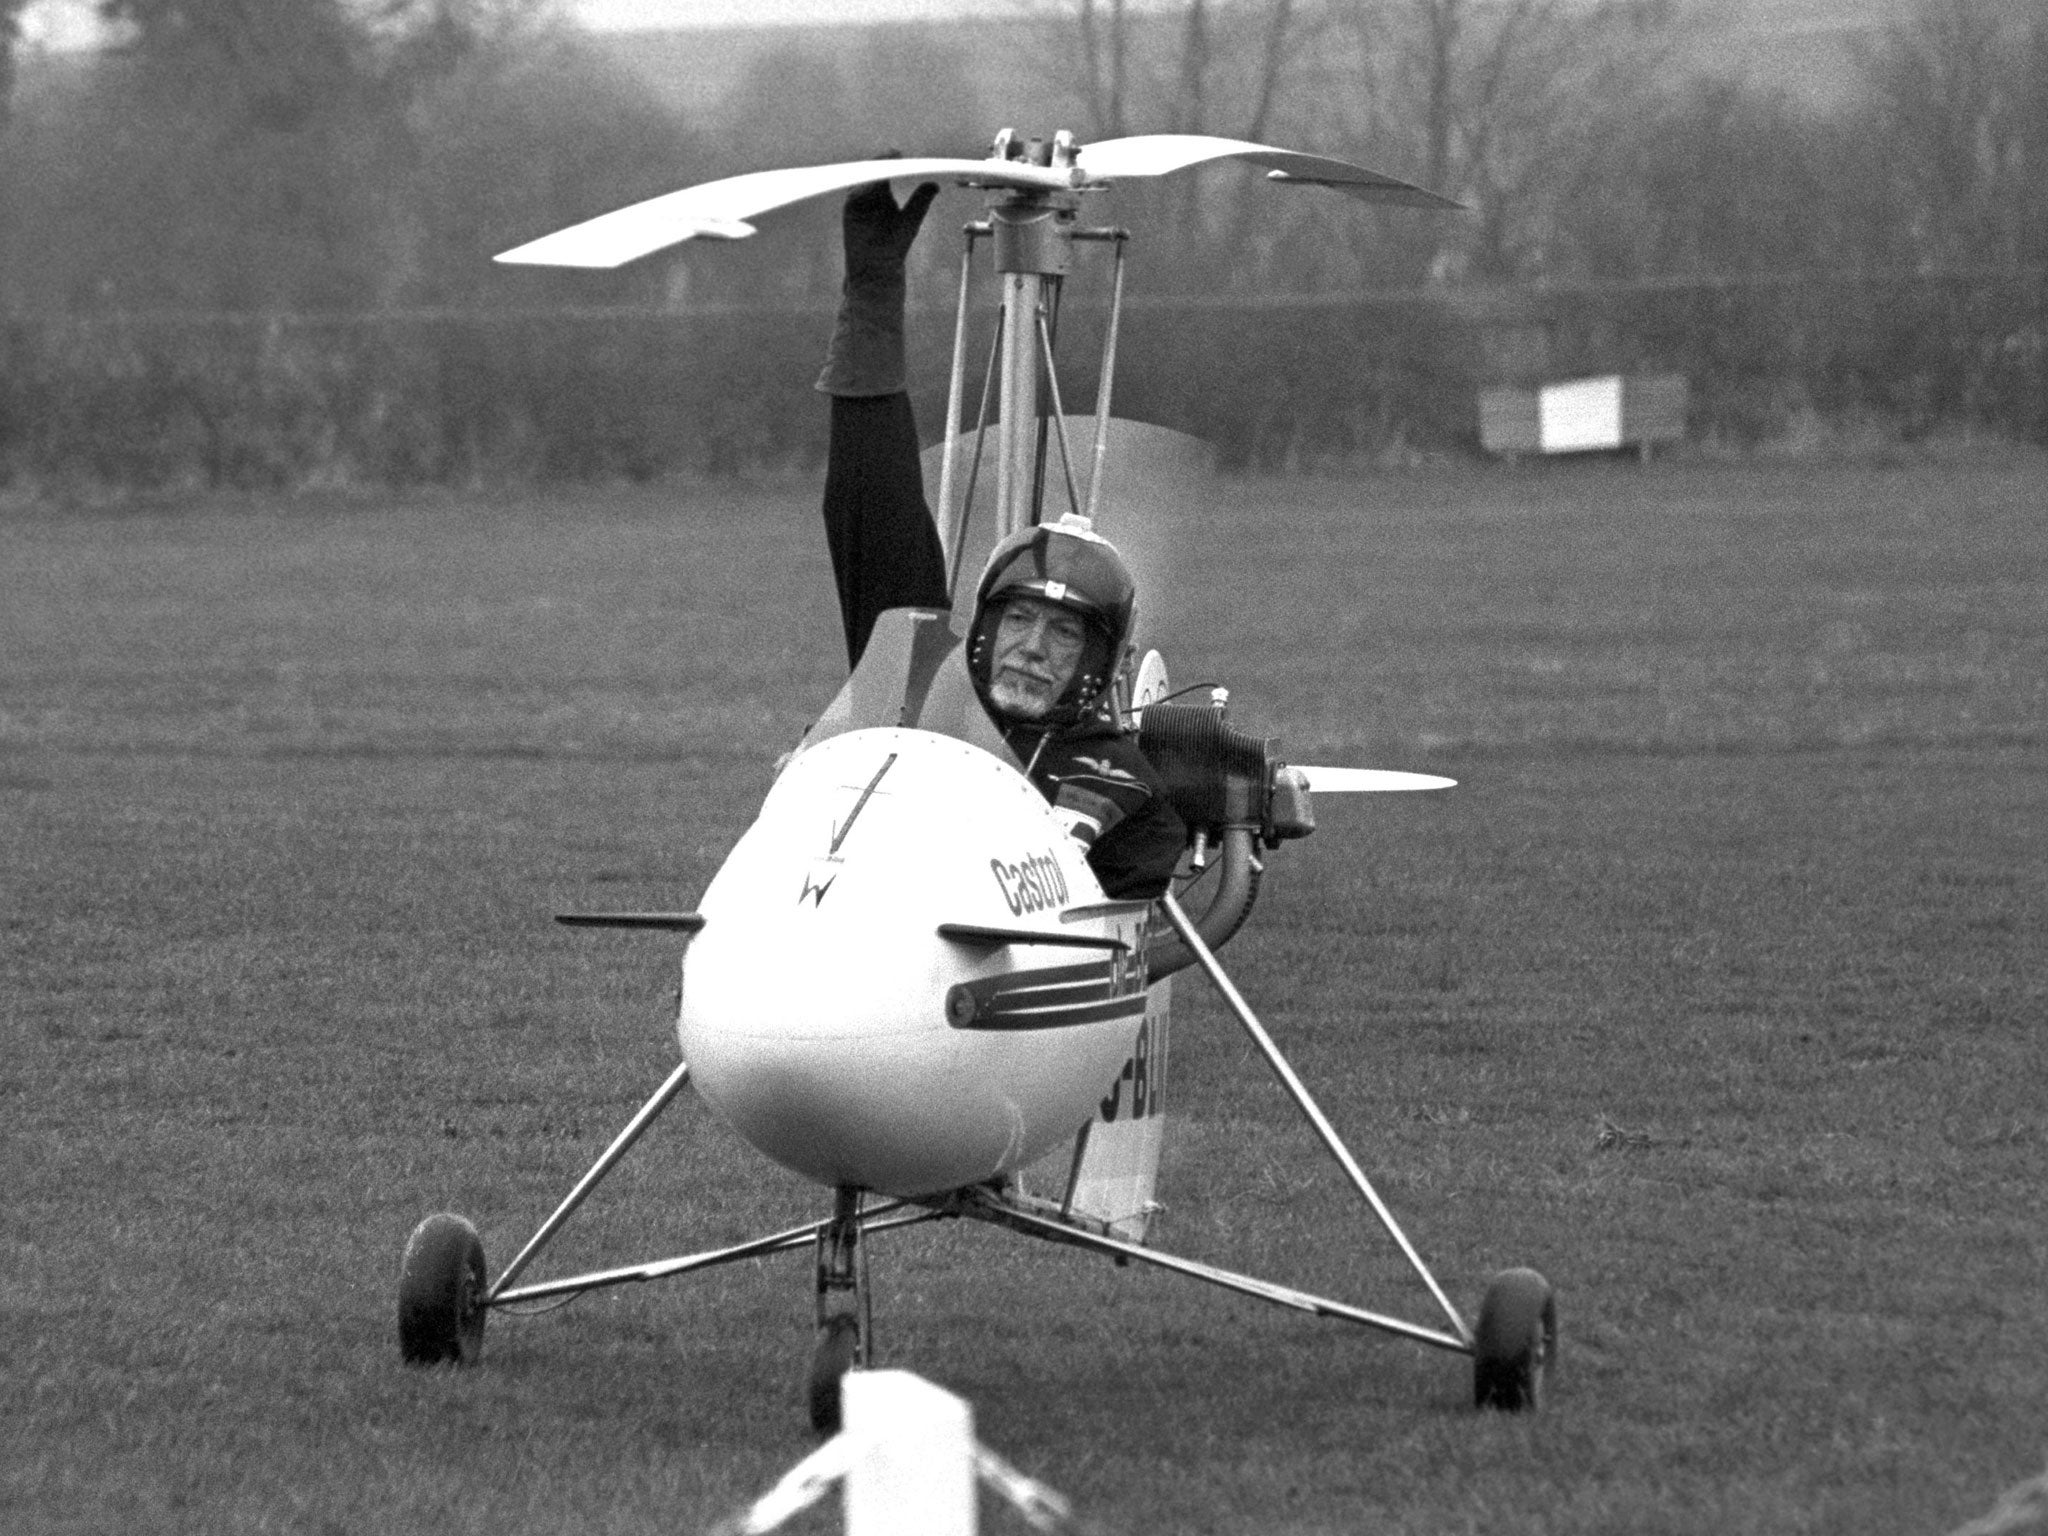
(1038, 647)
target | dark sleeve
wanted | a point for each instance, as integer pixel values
(1103, 774)
(1135, 859)
(885, 551)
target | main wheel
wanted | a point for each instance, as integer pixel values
(838, 1344)
(441, 1292)
(1515, 1343)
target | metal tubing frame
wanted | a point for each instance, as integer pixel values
(842, 1265)
(1017, 425)
(1046, 324)
(621, 1144)
(982, 1206)
(1298, 1091)
(1022, 360)
(988, 383)
(1107, 379)
(882, 1218)
(1059, 416)
(953, 528)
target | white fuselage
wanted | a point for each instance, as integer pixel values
(825, 1017)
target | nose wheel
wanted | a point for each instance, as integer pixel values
(838, 1346)
(845, 1316)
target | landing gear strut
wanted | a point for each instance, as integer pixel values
(844, 1311)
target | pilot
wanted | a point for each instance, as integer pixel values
(1054, 606)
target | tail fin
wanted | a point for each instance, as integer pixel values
(1115, 1173)
(1116, 1164)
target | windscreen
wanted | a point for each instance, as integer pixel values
(1150, 472)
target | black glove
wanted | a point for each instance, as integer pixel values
(877, 234)
(865, 356)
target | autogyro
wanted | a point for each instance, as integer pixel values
(956, 997)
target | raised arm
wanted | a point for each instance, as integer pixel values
(885, 550)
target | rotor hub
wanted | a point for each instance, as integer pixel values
(1034, 228)
(1034, 232)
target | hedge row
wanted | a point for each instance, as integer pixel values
(1911, 355)
(401, 399)
(152, 402)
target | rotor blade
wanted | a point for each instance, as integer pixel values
(1161, 154)
(1338, 781)
(721, 209)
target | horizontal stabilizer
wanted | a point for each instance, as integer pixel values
(979, 936)
(666, 922)
(1338, 781)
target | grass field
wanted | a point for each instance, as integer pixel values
(1716, 991)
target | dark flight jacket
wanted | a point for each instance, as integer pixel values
(886, 554)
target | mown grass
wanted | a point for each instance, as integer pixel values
(1715, 991)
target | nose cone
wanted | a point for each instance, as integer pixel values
(884, 1112)
(815, 1000)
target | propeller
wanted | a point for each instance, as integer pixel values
(1339, 781)
(721, 210)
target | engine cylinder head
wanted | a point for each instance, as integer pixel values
(1215, 775)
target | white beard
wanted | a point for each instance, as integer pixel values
(1019, 699)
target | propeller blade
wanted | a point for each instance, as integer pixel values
(1339, 781)
(1161, 154)
(721, 209)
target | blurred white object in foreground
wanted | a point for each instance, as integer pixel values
(910, 1462)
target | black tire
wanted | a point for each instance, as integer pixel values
(1515, 1344)
(838, 1344)
(440, 1293)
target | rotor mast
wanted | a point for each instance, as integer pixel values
(1031, 223)
(1034, 249)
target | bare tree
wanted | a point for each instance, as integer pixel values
(1961, 105)
(1502, 104)
(531, 134)
(285, 61)
(291, 59)
(1725, 179)
(2031, 72)
(1231, 68)
(10, 38)
(1195, 66)
(296, 155)
(1103, 41)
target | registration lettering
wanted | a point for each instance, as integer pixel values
(1146, 1097)
(1033, 884)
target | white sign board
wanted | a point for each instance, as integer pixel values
(1585, 413)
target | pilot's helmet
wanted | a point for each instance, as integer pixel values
(1069, 564)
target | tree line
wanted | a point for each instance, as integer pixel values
(312, 172)
(1587, 141)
